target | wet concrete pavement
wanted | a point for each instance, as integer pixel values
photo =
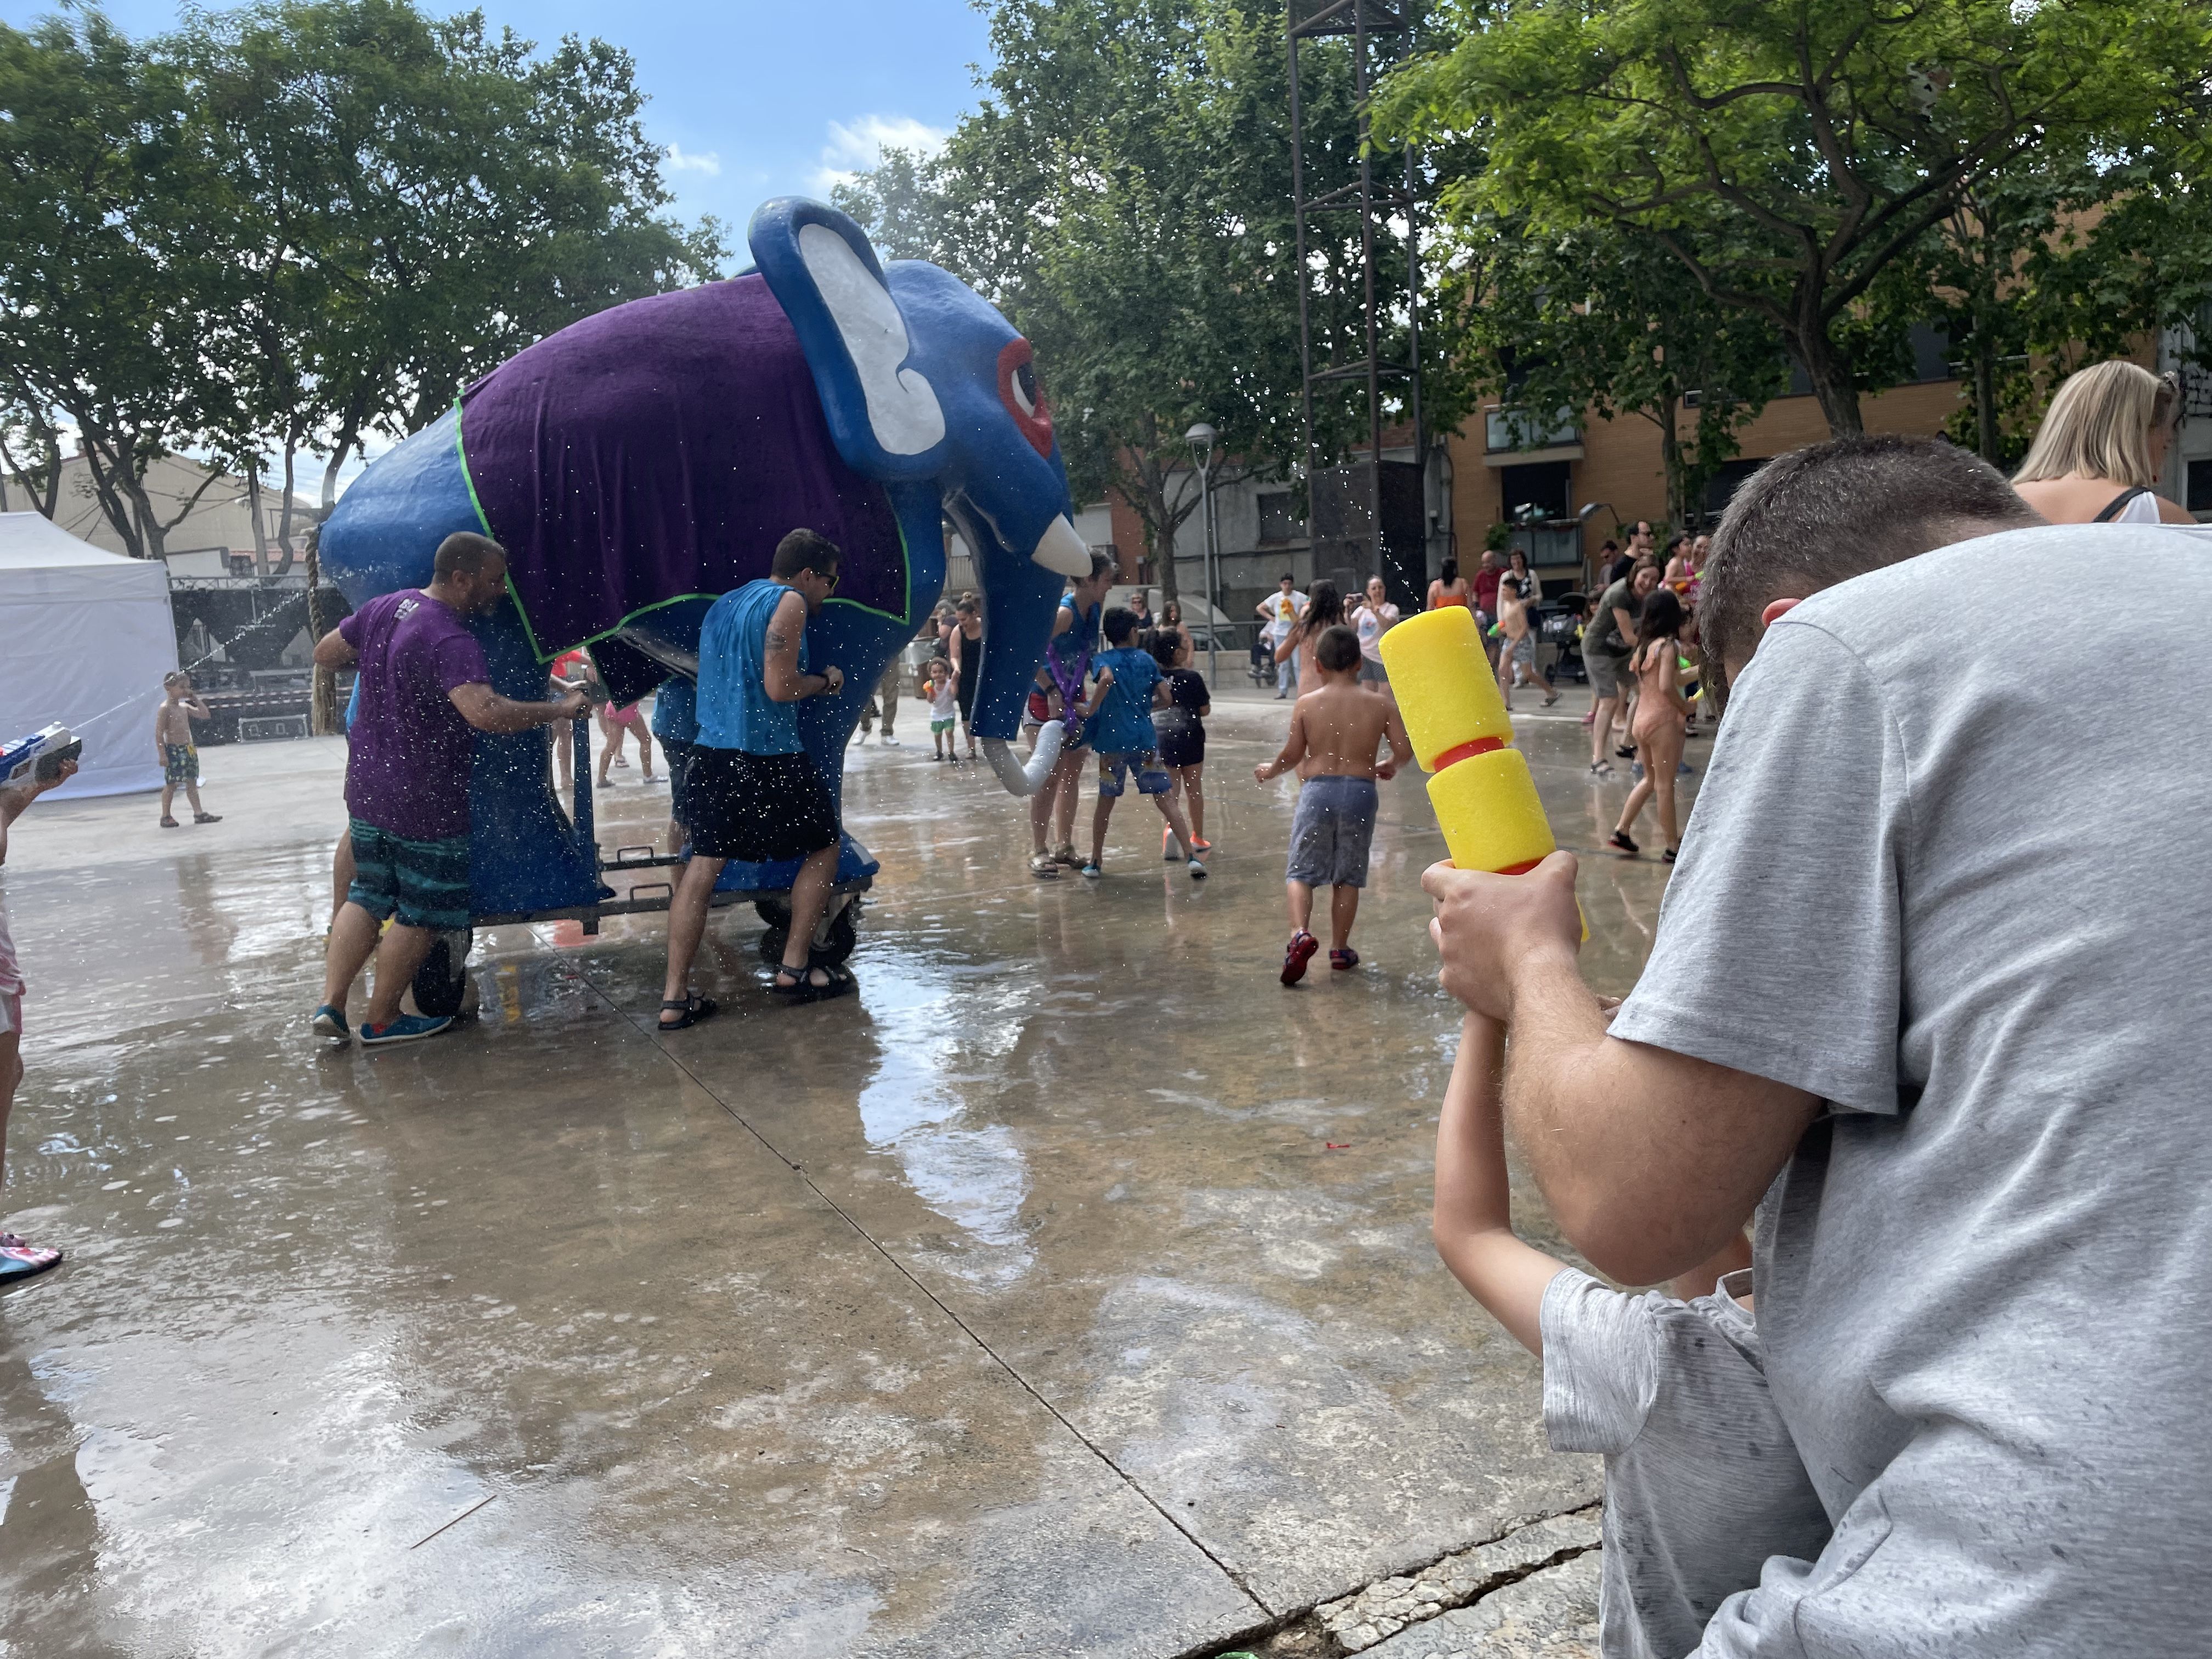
(1069, 1290)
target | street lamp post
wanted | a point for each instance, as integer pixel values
(1201, 438)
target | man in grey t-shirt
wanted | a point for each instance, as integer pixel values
(1921, 961)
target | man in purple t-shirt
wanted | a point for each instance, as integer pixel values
(425, 693)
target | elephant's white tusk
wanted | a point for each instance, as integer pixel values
(1022, 779)
(1061, 551)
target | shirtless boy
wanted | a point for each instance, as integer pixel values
(173, 741)
(1334, 732)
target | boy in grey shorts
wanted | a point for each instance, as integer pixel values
(1334, 732)
(1702, 1485)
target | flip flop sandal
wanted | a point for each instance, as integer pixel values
(1300, 952)
(1045, 867)
(691, 1009)
(21, 1259)
(170, 823)
(1343, 959)
(207, 818)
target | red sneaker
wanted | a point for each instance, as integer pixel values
(1301, 952)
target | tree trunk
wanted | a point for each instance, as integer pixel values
(291, 465)
(1163, 559)
(1986, 438)
(1831, 377)
(1670, 457)
(338, 454)
(116, 502)
(253, 510)
(150, 530)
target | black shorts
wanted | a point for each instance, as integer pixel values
(677, 753)
(756, 807)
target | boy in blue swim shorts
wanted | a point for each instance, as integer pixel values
(1335, 730)
(1118, 725)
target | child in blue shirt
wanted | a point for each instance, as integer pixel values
(1118, 726)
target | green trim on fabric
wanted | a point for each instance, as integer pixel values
(461, 450)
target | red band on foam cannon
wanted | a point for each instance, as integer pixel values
(1520, 869)
(1468, 751)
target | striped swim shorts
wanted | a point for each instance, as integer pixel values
(421, 884)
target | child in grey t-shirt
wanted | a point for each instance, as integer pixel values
(1701, 1483)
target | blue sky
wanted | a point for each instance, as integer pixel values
(750, 99)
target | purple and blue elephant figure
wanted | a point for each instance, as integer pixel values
(641, 463)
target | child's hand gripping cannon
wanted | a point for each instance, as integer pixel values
(1486, 802)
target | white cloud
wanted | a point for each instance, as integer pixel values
(709, 163)
(859, 144)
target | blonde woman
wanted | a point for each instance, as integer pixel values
(2101, 448)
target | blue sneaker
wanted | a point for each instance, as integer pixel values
(330, 1022)
(405, 1029)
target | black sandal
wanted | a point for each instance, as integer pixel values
(837, 983)
(694, 1009)
(1620, 843)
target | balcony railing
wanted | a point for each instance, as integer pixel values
(1508, 430)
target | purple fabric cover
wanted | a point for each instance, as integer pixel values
(663, 448)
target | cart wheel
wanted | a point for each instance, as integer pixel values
(441, 982)
(844, 937)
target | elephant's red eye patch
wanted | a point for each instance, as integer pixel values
(1023, 397)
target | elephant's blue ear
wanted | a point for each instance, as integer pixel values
(884, 417)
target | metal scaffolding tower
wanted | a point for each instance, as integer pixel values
(1368, 516)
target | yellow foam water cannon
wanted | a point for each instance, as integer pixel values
(1484, 799)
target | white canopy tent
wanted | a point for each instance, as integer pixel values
(85, 638)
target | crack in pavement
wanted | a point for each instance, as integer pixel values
(1325, 1637)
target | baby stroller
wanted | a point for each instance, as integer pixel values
(1262, 667)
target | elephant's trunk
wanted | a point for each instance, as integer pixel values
(1022, 779)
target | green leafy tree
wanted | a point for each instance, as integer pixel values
(100, 324)
(407, 201)
(1123, 193)
(1788, 156)
(284, 228)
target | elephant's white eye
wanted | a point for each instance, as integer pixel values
(1023, 397)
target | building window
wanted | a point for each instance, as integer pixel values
(1539, 490)
(1931, 352)
(2200, 487)
(1279, 519)
(1728, 478)
(1509, 429)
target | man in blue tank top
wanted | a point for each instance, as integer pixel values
(753, 791)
